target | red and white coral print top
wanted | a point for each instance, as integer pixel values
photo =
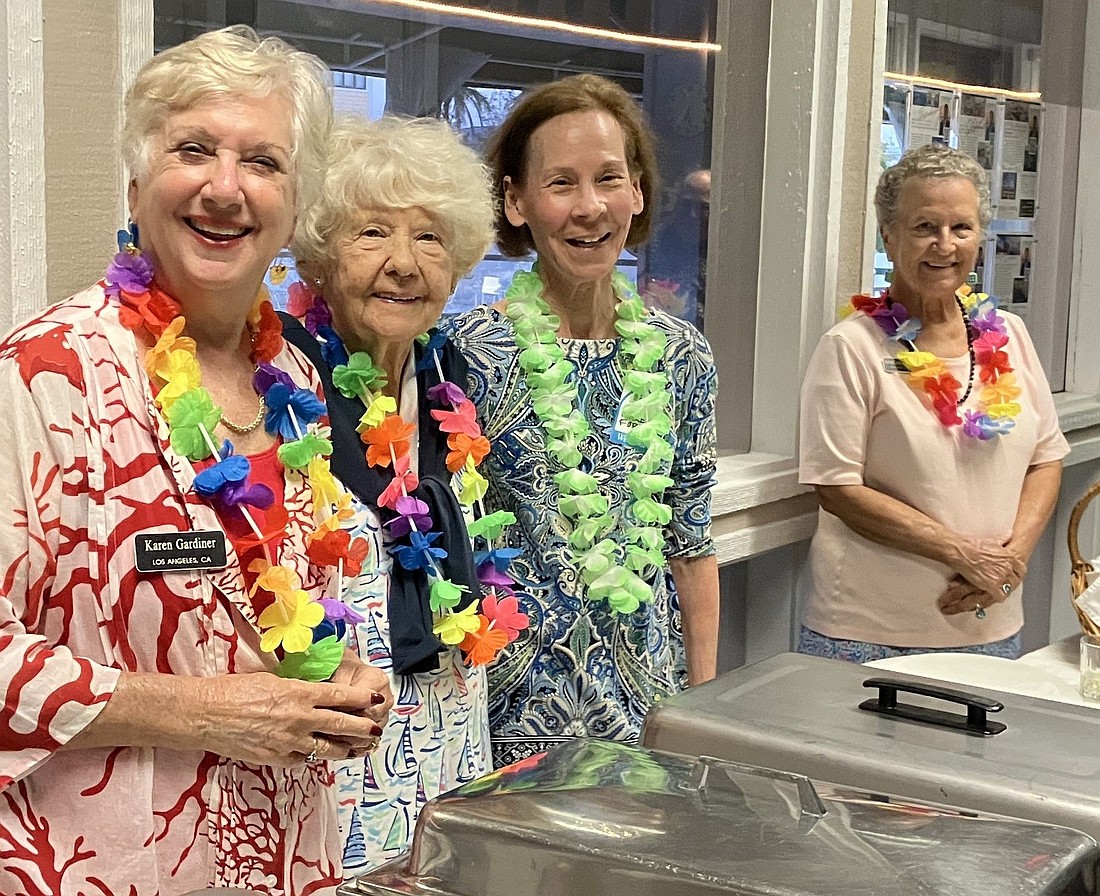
(85, 464)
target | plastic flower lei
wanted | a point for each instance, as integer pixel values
(307, 633)
(480, 632)
(987, 337)
(609, 571)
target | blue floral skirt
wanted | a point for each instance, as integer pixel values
(816, 644)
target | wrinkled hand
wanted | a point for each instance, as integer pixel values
(267, 720)
(961, 596)
(988, 564)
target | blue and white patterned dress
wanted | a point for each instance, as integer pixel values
(580, 668)
(437, 735)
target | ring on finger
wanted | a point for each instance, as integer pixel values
(1006, 589)
(979, 611)
(312, 757)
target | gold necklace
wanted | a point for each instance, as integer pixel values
(246, 429)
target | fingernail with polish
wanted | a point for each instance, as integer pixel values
(377, 699)
(376, 731)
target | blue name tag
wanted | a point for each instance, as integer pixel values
(620, 429)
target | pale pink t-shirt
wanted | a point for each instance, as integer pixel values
(861, 424)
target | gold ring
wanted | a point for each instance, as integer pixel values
(312, 757)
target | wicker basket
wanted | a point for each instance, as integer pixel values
(1080, 566)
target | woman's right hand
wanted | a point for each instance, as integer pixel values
(989, 565)
(263, 719)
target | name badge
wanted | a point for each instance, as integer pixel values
(179, 551)
(893, 365)
(620, 429)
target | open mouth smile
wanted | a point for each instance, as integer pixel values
(218, 233)
(590, 243)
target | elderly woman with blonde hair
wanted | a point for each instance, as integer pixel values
(405, 212)
(161, 592)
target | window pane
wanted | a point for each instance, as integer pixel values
(469, 71)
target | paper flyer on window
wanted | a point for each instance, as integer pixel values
(978, 128)
(930, 116)
(1019, 160)
(1012, 271)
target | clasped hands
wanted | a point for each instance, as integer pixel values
(267, 720)
(983, 568)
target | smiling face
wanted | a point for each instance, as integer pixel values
(934, 239)
(217, 202)
(578, 197)
(391, 275)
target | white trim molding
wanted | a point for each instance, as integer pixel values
(22, 130)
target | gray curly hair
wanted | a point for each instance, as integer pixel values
(399, 163)
(235, 62)
(930, 160)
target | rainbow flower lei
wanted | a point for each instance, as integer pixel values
(609, 570)
(928, 374)
(307, 633)
(481, 633)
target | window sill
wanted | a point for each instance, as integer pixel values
(758, 505)
(1079, 418)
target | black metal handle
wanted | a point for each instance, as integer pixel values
(973, 723)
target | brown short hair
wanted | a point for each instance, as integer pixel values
(506, 153)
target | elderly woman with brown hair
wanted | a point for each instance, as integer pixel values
(404, 213)
(164, 482)
(601, 414)
(929, 432)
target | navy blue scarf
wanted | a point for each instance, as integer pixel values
(412, 644)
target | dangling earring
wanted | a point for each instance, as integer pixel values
(128, 239)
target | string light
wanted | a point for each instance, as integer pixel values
(1028, 96)
(623, 37)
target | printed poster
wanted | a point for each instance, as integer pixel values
(930, 116)
(1012, 270)
(978, 128)
(1019, 160)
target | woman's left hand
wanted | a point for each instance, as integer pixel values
(353, 672)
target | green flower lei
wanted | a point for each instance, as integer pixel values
(610, 571)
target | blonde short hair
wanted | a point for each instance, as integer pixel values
(398, 163)
(930, 160)
(233, 62)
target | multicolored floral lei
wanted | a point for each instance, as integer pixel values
(481, 633)
(307, 633)
(610, 571)
(928, 374)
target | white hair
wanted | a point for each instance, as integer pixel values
(399, 163)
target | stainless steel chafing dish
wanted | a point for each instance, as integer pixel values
(593, 817)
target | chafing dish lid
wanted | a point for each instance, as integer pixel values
(594, 817)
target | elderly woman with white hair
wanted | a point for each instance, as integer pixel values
(405, 212)
(162, 588)
(929, 432)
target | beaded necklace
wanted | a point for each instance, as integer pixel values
(307, 634)
(986, 338)
(480, 632)
(609, 570)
